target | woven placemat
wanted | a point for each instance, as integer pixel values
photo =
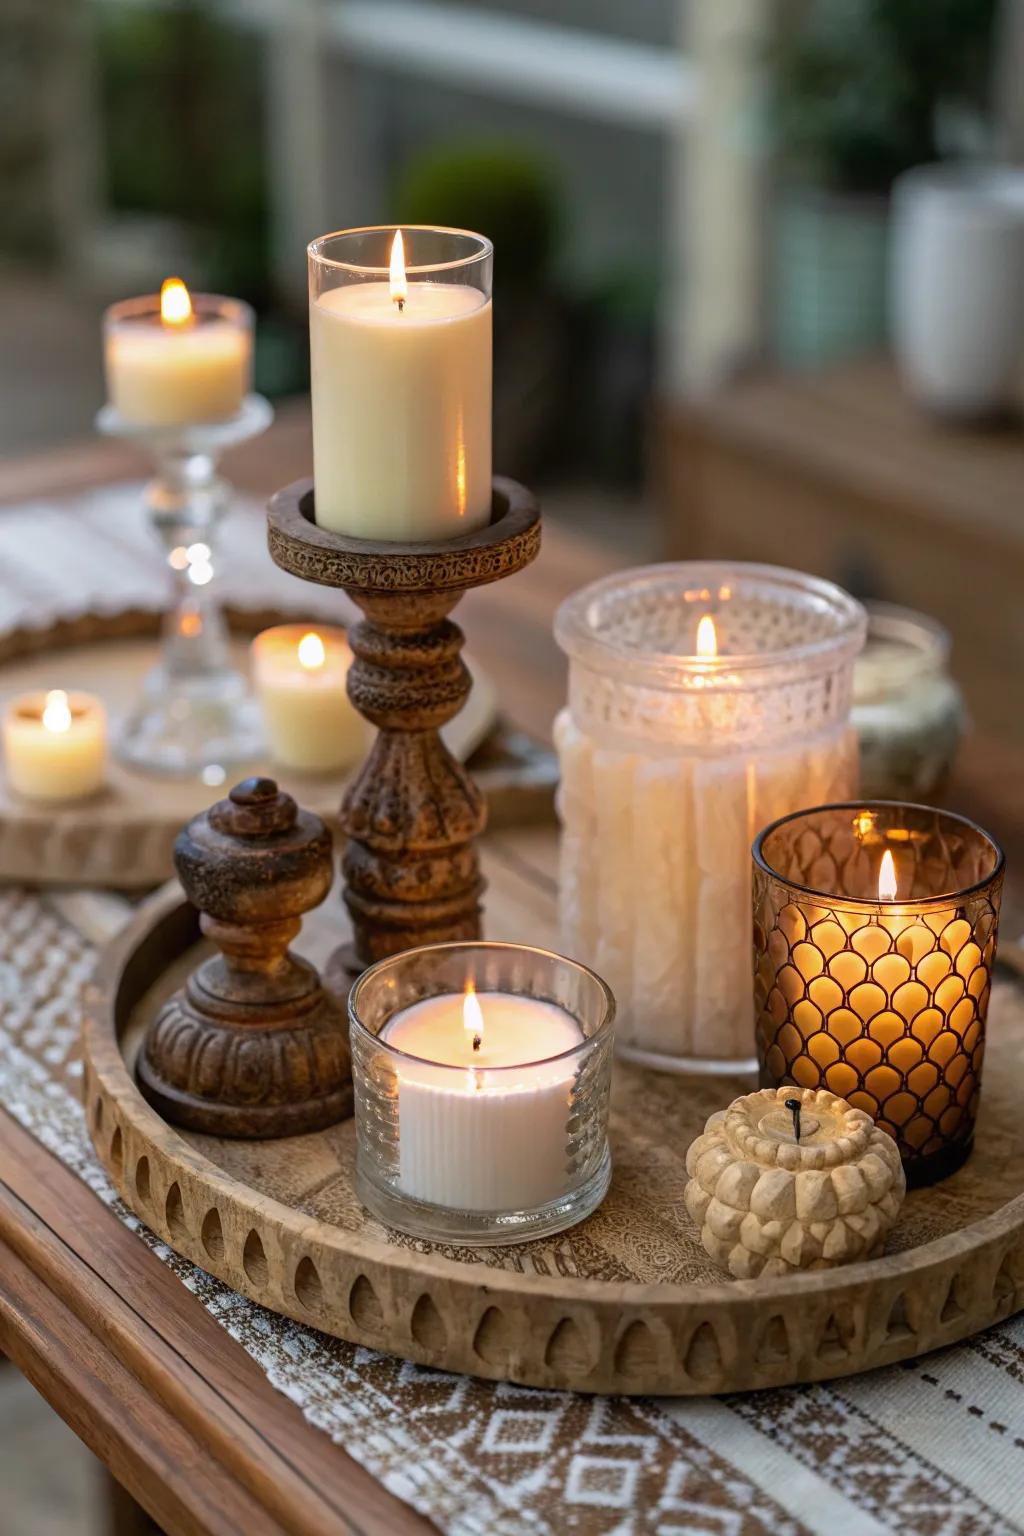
(935, 1447)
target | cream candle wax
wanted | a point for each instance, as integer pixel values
(300, 678)
(493, 1136)
(400, 362)
(55, 745)
(175, 359)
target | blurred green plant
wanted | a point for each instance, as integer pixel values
(499, 191)
(183, 124)
(859, 87)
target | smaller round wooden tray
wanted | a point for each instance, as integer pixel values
(626, 1302)
(123, 836)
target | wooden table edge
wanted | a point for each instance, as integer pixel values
(177, 1410)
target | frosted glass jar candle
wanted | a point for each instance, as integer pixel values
(400, 365)
(481, 1077)
(704, 701)
(875, 928)
(175, 358)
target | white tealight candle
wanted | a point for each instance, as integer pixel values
(493, 1135)
(401, 391)
(300, 677)
(55, 745)
(170, 362)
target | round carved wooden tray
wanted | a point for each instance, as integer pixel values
(627, 1302)
(123, 836)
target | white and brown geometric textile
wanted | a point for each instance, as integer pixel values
(934, 1448)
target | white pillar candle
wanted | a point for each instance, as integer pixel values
(300, 678)
(401, 391)
(492, 1135)
(55, 745)
(171, 362)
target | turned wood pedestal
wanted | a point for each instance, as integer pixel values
(412, 813)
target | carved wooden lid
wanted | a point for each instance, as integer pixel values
(255, 857)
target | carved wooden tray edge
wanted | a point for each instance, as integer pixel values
(619, 1337)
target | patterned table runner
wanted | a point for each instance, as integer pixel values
(931, 1448)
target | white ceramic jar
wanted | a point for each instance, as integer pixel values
(957, 287)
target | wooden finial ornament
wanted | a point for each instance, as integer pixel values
(252, 1045)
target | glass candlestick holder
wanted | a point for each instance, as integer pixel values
(481, 1076)
(875, 927)
(196, 709)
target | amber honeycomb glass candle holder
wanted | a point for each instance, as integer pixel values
(875, 928)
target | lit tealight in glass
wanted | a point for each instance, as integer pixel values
(55, 745)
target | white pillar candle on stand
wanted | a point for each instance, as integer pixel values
(172, 360)
(400, 361)
(703, 700)
(300, 677)
(55, 745)
(484, 1139)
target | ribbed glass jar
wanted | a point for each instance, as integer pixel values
(458, 1139)
(705, 700)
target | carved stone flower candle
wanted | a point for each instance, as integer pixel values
(788, 1179)
(875, 929)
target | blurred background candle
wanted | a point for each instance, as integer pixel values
(300, 678)
(875, 929)
(704, 700)
(55, 745)
(177, 358)
(400, 355)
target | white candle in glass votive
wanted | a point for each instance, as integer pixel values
(172, 362)
(401, 392)
(300, 678)
(493, 1135)
(55, 745)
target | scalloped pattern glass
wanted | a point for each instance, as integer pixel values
(580, 1170)
(671, 761)
(881, 1002)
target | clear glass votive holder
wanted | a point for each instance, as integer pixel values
(456, 1152)
(875, 927)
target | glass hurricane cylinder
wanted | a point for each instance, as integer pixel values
(670, 763)
(400, 366)
(489, 1154)
(882, 1001)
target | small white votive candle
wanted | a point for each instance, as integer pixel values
(300, 677)
(55, 745)
(492, 1136)
(173, 359)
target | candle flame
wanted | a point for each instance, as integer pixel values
(707, 637)
(57, 711)
(397, 270)
(175, 304)
(473, 1016)
(311, 652)
(887, 878)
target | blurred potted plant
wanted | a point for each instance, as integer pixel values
(861, 91)
(508, 195)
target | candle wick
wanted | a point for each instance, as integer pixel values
(793, 1105)
(401, 306)
(477, 1042)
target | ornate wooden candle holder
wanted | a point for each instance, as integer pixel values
(412, 813)
(253, 1045)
